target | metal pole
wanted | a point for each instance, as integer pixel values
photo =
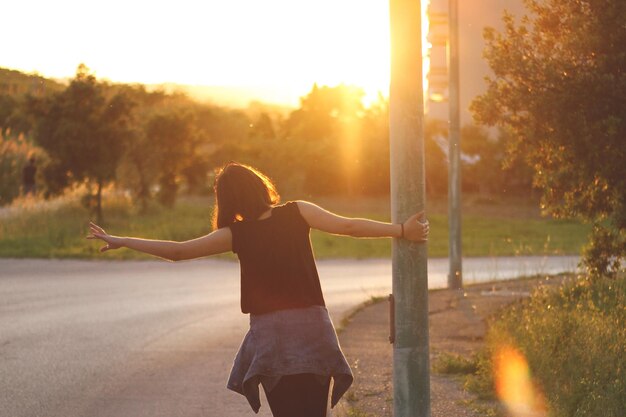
(455, 276)
(411, 385)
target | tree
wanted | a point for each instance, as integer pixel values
(488, 170)
(559, 90)
(436, 161)
(7, 107)
(84, 131)
(263, 128)
(375, 148)
(13, 120)
(170, 136)
(328, 127)
(15, 151)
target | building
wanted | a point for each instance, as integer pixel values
(474, 16)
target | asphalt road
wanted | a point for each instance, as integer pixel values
(151, 338)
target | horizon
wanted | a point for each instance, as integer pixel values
(226, 95)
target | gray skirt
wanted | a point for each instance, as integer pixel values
(288, 342)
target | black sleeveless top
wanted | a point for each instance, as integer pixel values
(278, 269)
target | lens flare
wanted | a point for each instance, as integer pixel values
(514, 385)
(426, 45)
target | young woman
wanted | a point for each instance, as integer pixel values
(291, 348)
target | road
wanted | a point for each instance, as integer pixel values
(151, 338)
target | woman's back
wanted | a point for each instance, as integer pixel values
(277, 265)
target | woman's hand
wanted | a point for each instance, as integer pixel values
(416, 230)
(112, 242)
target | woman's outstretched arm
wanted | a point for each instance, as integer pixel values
(216, 242)
(413, 228)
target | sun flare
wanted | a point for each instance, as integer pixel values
(514, 385)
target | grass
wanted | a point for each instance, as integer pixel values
(57, 229)
(571, 340)
(483, 409)
(482, 236)
(468, 371)
(574, 342)
(453, 364)
(352, 409)
(355, 412)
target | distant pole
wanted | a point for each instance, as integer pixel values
(455, 277)
(411, 385)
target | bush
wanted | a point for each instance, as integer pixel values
(574, 340)
(14, 154)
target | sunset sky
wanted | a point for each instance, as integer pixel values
(276, 47)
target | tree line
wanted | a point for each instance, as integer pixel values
(158, 145)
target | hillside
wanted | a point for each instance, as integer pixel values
(228, 96)
(16, 83)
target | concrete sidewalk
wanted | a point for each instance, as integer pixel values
(457, 325)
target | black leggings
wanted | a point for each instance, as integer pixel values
(300, 395)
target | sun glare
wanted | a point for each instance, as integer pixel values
(426, 46)
(280, 47)
(514, 385)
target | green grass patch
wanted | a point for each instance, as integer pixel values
(574, 340)
(57, 229)
(453, 364)
(355, 412)
(482, 236)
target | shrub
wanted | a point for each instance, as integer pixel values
(574, 341)
(14, 154)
